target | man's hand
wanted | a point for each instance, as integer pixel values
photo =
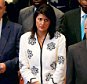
(2, 68)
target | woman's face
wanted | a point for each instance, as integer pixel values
(42, 23)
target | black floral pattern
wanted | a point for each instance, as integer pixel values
(28, 82)
(29, 53)
(60, 59)
(20, 65)
(53, 65)
(32, 41)
(34, 70)
(48, 76)
(51, 46)
(57, 34)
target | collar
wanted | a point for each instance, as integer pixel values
(35, 9)
(82, 13)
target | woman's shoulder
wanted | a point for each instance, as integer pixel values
(59, 35)
(25, 35)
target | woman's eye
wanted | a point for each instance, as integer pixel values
(40, 19)
(46, 20)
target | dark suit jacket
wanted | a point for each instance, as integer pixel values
(71, 26)
(77, 63)
(9, 46)
(26, 17)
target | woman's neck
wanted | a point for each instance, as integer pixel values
(41, 34)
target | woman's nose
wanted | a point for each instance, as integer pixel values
(42, 22)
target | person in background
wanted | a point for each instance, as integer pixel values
(26, 15)
(42, 54)
(77, 62)
(71, 25)
(72, 4)
(63, 5)
(9, 46)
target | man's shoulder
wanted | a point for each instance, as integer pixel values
(76, 45)
(26, 35)
(13, 25)
(73, 11)
(26, 9)
(57, 11)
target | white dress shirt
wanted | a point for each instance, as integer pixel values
(83, 17)
(82, 14)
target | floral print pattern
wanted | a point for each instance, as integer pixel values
(48, 76)
(32, 41)
(61, 60)
(29, 53)
(34, 70)
(53, 65)
(34, 53)
(57, 34)
(51, 46)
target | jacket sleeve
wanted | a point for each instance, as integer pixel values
(24, 62)
(13, 64)
(60, 72)
(70, 75)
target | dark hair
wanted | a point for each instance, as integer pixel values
(48, 11)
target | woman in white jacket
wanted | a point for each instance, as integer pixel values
(42, 56)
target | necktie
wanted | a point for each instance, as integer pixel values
(82, 26)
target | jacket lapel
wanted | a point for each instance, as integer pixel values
(78, 23)
(4, 36)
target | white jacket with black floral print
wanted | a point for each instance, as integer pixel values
(47, 64)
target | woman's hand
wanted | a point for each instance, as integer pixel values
(37, 82)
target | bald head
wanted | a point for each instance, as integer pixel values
(2, 8)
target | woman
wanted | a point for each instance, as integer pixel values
(42, 51)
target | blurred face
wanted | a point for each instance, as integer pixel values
(38, 2)
(83, 4)
(42, 23)
(85, 26)
(2, 8)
